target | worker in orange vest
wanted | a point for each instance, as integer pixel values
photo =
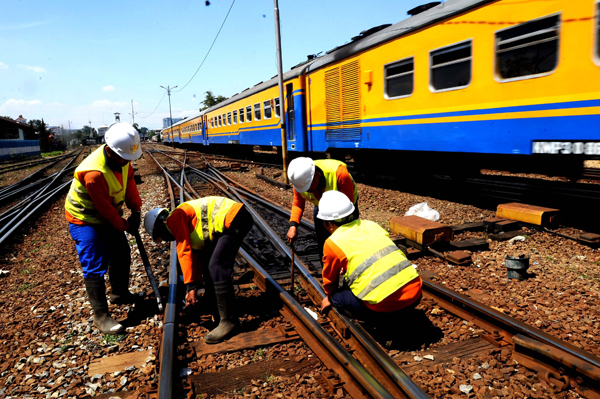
(209, 232)
(377, 277)
(102, 184)
(311, 179)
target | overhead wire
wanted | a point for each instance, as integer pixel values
(208, 52)
(162, 98)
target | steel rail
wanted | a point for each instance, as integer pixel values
(20, 191)
(18, 217)
(510, 325)
(167, 349)
(357, 370)
(42, 201)
(13, 167)
(400, 382)
(29, 177)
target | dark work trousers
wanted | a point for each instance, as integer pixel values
(322, 233)
(220, 256)
(98, 245)
(347, 303)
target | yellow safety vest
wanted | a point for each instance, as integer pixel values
(329, 168)
(210, 219)
(376, 267)
(79, 203)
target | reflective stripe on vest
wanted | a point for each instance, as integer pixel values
(329, 168)
(376, 267)
(79, 202)
(210, 219)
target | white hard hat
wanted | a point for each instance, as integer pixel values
(123, 139)
(150, 220)
(334, 205)
(301, 172)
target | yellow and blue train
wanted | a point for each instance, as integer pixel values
(461, 83)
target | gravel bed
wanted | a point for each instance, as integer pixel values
(47, 341)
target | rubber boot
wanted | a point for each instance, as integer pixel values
(119, 284)
(228, 320)
(96, 292)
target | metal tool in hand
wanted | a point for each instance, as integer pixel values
(293, 268)
(148, 268)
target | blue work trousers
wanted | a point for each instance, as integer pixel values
(99, 245)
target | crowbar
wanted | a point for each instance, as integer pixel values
(292, 276)
(148, 268)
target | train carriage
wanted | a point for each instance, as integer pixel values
(466, 83)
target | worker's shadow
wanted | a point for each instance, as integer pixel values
(409, 330)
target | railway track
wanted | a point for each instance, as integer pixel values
(29, 198)
(560, 366)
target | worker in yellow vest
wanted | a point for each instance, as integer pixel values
(311, 179)
(377, 276)
(209, 232)
(102, 184)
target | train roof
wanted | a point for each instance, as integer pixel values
(364, 42)
(184, 120)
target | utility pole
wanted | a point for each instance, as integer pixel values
(281, 98)
(168, 89)
(132, 113)
(70, 134)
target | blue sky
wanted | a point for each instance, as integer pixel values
(83, 61)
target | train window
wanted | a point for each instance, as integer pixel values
(249, 113)
(224, 119)
(235, 117)
(229, 118)
(212, 122)
(267, 108)
(241, 115)
(528, 49)
(451, 67)
(277, 108)
(257, 112)
(399, 78)
(220, 123)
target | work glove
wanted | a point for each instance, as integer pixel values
(134, 223)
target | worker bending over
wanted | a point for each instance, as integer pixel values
(377, 275)
(311, 179)
(209, 232)
(103, 182)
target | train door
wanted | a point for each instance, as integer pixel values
(290, 113)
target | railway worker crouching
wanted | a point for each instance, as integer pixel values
(377, 277)
(209, 232)
(311, 179)
(103, 182)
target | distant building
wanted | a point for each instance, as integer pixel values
(167, 121)
(12, 140)
(102, 130)
(20, 119)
